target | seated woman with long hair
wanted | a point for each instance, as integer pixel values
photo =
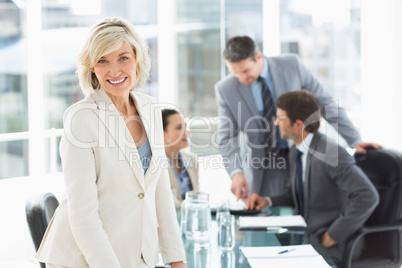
(183, 169)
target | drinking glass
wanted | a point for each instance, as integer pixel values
(196, 216)
(198, 254)
(222, 209)
(226, 232)
(228, 259)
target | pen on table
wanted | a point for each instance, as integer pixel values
(286, 251)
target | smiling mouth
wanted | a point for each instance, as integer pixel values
(117, 81)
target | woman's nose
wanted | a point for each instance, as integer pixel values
(114, 70)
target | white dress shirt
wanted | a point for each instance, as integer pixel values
(303, 147)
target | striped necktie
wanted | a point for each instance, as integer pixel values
(269, 115)
(299, 182)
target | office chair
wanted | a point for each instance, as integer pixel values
(383, 229)
(39, 211)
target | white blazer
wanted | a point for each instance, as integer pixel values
(112, 213)
(192, 172)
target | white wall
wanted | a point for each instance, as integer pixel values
(381, 65)
(16, 246)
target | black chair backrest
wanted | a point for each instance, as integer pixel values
(39, 211)
(384, 169)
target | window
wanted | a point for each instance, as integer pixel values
(29, 131)
(200, 46)
(13, 91)
(326, 35)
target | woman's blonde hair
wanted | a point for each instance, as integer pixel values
(104, 38)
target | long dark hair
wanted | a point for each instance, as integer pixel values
(165, 115)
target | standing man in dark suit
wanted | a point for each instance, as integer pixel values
(247, 137)
(326, 187)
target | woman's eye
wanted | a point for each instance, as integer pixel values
(101, 61)
(123, 58)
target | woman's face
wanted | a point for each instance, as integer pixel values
(176, 133)
(116, 71)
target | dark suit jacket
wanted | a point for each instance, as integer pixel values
(338, 196)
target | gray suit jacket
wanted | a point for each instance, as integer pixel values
(240, 123)
(338, 196)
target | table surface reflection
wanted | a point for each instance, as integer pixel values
(207, 254)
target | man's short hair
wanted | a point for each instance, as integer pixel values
(302, 105)
(239, 48)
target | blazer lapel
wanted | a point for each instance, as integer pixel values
(115, 125)
(193, 177)
(277, 77)
(307, 182)
(147, 111)
(292, 165)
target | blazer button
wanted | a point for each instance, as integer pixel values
(141, 196)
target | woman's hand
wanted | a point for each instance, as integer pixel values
(178, 264)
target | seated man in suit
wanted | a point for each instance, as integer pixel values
(326, 186)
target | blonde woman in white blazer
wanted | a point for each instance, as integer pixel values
(118, 210)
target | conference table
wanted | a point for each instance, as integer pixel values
(207, 254)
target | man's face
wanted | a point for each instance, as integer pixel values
(248, 70)
(288, 131)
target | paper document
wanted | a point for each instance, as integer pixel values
(272, 221)
(280, 251)
(239, 205)
(302, 262)
(284, 256)
(233, 205)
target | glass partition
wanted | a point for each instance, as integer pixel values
(326, 35)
